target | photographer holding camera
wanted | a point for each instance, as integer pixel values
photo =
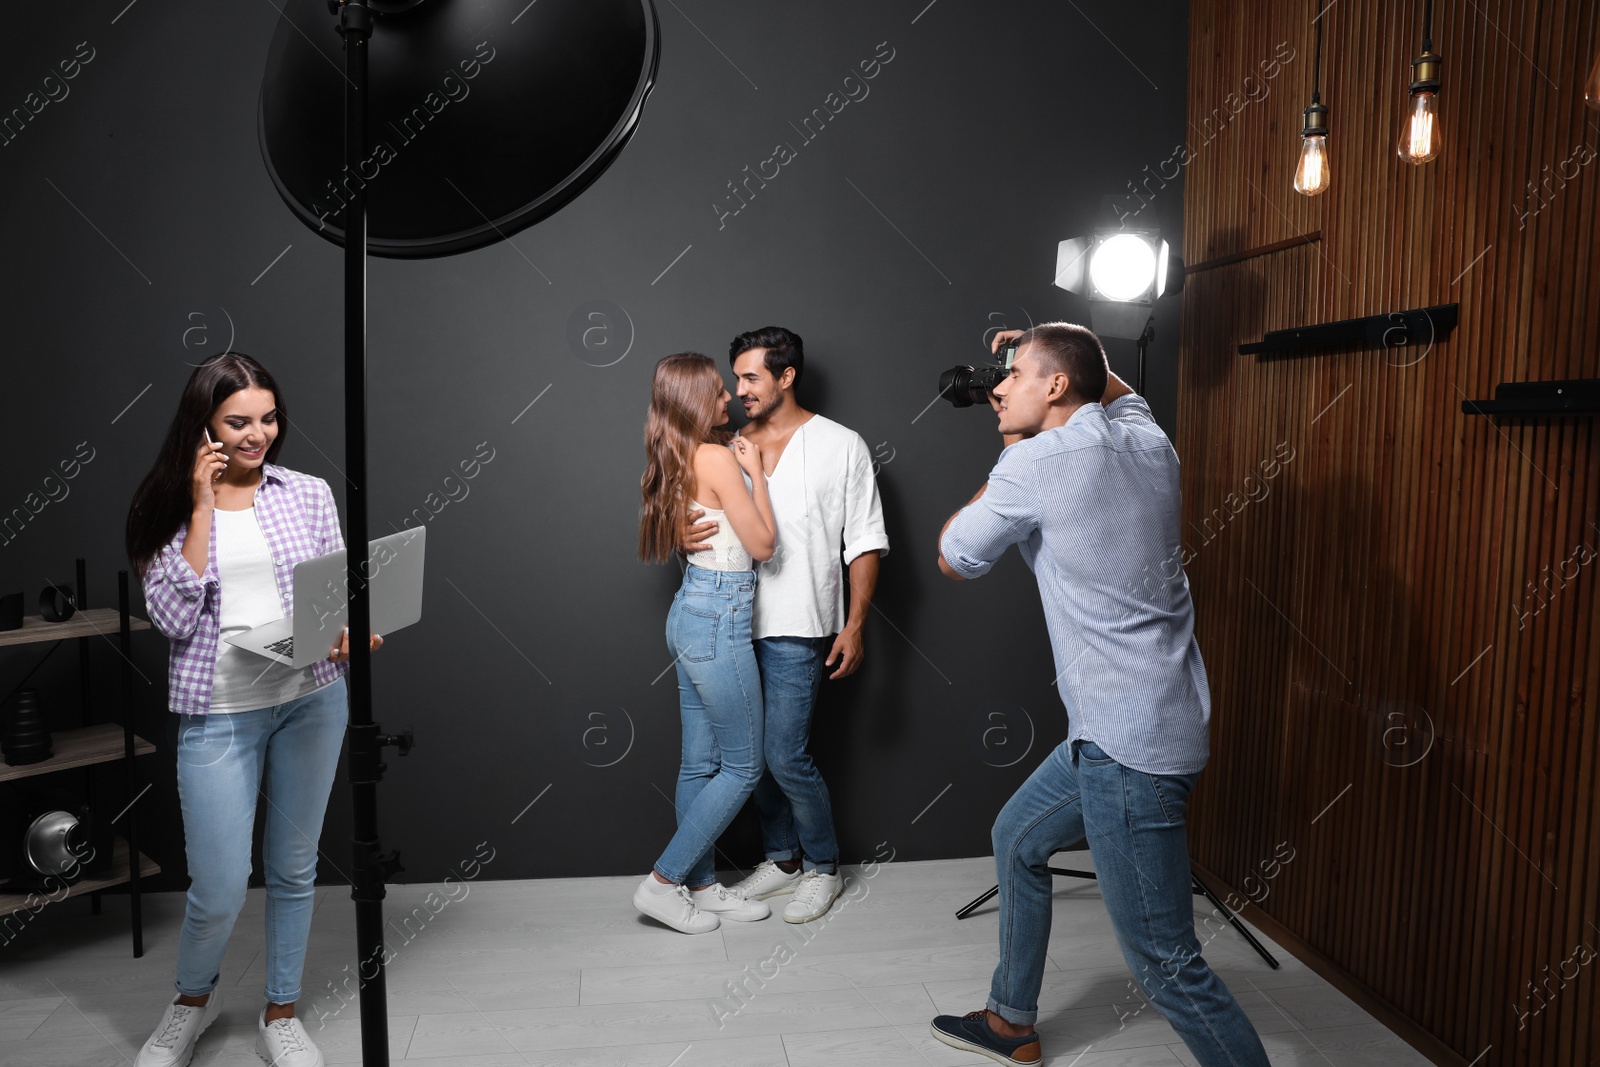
(1087, 489)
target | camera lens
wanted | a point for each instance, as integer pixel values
(955, 385)
(966, 386)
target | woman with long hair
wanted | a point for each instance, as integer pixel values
(214, 532)
(691, 464)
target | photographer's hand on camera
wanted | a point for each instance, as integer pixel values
(1001, 338)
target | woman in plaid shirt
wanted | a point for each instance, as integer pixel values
(215, 531)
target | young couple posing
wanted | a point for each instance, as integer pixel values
(792, 497)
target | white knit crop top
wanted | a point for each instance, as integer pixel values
(727, 552)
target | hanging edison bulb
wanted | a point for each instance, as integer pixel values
(1419, 136)
(1419, 133)
(1591, 88)
(1314, 172)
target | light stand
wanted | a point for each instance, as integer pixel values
(1146, 335)
(371, 868)
(479, 175)
(1199, 887)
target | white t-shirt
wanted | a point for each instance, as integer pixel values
(248, 597)
(826, 501)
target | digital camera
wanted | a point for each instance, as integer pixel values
(966, 386)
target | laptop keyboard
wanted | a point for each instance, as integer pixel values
(283, 648)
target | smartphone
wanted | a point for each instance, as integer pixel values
(207, 431)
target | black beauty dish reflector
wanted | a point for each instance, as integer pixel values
(484, 116)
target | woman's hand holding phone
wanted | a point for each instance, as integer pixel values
(209, 463)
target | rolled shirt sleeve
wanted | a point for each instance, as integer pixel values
(173, 592)
(1006, 514)
(864, 530)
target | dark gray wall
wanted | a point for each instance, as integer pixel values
(138, 220)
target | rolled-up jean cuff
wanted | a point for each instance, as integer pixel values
(786, 856)
(1012, 1015)
(198, 992)
(831, 867)
(283, 998)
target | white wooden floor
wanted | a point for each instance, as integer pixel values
(564, 973)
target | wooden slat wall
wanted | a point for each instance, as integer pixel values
(1379, 575)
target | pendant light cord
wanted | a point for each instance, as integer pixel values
(1427, 26)
(1316, 68)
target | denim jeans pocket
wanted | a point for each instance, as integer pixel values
(693, 630)
(1093, 754)
(1172, 795)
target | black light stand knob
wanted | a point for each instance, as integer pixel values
(389, 864)
(403, 741)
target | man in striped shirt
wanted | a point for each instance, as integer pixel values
(1087, 489)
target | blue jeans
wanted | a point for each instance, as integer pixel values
(792, 799)
(287, 754)
(719, 697)
(1134, 825)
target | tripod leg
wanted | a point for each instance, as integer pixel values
(980, 902)
(1202, 888)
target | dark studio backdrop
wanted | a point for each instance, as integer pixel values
(142, 233)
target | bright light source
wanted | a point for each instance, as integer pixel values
(1122, 273)
(1311, 176)
(1123, 267)
(1419, 137)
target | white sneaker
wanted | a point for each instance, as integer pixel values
(727, 903)
(767, 880)
(285, 1043)
(673, 907)
(813, 897)
(172, 1044)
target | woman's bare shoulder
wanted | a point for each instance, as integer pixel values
(714, 457)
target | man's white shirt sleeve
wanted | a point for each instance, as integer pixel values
(864, 530)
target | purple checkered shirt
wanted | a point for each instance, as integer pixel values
(300, 521)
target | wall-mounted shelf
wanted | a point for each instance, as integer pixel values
(1397, 329)
(1571, 396)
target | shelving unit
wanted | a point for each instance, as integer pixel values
(80, 748)
(120, 855)
(92, 622)
(90, 745)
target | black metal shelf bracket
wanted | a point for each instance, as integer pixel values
(1570, 396)
(1397, 329)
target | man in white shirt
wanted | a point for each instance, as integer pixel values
(819, 476)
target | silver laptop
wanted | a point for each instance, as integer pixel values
(393, 578)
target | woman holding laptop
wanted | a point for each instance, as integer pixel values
(214, 531)
(692, 464)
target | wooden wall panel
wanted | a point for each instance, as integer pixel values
(1372, 567)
